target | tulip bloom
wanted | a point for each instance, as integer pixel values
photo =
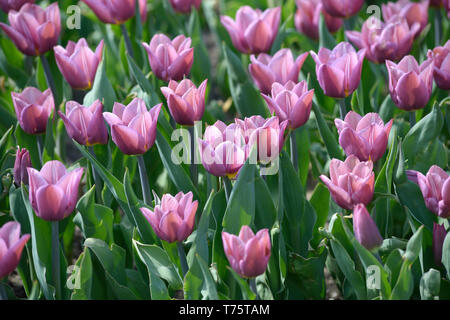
(365, 229)
(384, 41)
(34, 30)
(173, 220)
(342, 8)
(133, 127)
(439, 235)
(435, 187)
(291, 102)
(170, 59)
(11, 246)
(410, 85)
(85, 124)
(21, 164)
(78, 64)
(117, 11)
(307, 18)
(223, 150)
(185, 6)
(53, 190)
(339, 70)
(186, 102)
(7, 5)
(441, 58)
(352, 182)
(365, 137)
(412, 11)
(281, 68)
(253, 31)
(33, 109)
(247, 253)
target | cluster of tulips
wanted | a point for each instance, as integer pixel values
(226, 149)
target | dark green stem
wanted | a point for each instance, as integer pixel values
(97, 181)
(40, 146)
(146, 192)
(342, 108)
(55, 259)
(182, 256)
(437, 27)
(294, 154)
(3, 294)
(412, 118)
(127, 40)
(253, 287)
(49, 78)
(193, 166)
(228, 187)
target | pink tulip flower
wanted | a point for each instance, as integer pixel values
(22, 162)
(186, 102)
(78, 64)
(7, 5)
(435, 187)
(185, 6)
(281, 68)
(33, 108)
(365, 137)
(291, 102)
(170, 59)
(410, 85)
(247, 253)
(342, 8)
(439, 235)
(34, 30)
(413, 12)
(441, 58)
(352, 182)
(339, 70)
(54, 190)
(173, 220)
(117, 11)
(447, 7)
(365, 229)
(85, 124)
(11, 246)
(133, 127)
(253, 31)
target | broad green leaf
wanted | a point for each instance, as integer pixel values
(327, 136)
(430, 285)
(446, 254)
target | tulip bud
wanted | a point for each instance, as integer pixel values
(11, 246)
(247, 253)
(185, 6)
(33, 108)
(186, 102)
(439, 235)
(352, 182)
(173, 219)
(53, 191)
(406, 75)
(21, 164)
(117, 12)
(281, 68)
(339, 70)
(253, 31)
(435, 187)
(441, 59)
(34, 30)
(342, 8)
(413, 12)
(170, 59)
(7, 5)
(133, 127)
(365, 229)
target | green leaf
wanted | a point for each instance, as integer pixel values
(446, 254)
(247, 293)
(320, 200)
(265, 211)
(29, 142)
(326, 40)
(430, 285)
(210, 286)
(327, 136)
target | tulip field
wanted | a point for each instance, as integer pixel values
(224, 150)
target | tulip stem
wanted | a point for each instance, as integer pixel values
(437, 27)
(342, 108)
(294, 151)
(193, 167)
(49, 78)
(228, 187)
(40, 146)
(98, 185)
(55, 259)
(146, 192)
(253, 287)
(412, 118)
(3, 294)
(182, 256)
(127, 40)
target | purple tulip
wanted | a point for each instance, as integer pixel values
(11, 246)
(21, 164)
(85, 124)
(33, 108)
(365, 137)
(7, 5)
(436, 3)
(247, 253)
(439, 235)
(223, 150)
(117, 11)
(266, 70)
(435, 187)
(133, 127)
(441, 58)
(253, 31)
(170, 59)
(186, 102)
(352, 182)
(413, 12)
(412, 176)
(53, 190)
(339, 70)
(78, 64)
(34, 30)
(342, 8)
(365, 229)
(447, 7)
(408, 75)
(173, 220)
(185, 6)
(384, 41)
(307, 18)
(291, 102)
